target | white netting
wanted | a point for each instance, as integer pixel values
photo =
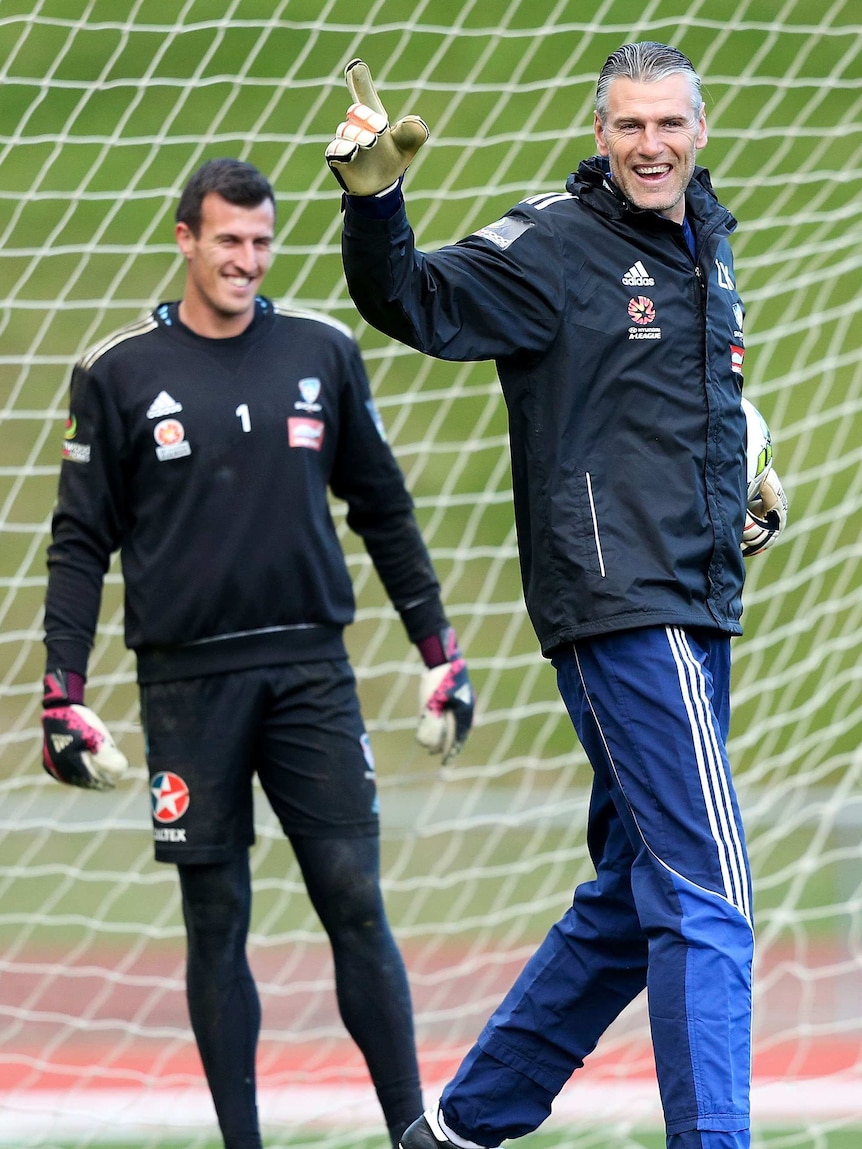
(107, 107)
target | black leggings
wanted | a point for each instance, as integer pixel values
(342, 879)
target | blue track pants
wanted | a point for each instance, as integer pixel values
(669, 909)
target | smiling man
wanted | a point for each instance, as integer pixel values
(651, 134)
(610, 309)
(202, 443)
(228, 249)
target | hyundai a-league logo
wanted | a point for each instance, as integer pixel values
(642, 310)
(171, 441)
(168, 432)
(169, 796)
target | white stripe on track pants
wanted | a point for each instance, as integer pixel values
(669, 909)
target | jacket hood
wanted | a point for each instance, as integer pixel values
(592, 183)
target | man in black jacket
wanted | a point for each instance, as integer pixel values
(611, 312)
(201, 443)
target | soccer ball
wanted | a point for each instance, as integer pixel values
(758, 449)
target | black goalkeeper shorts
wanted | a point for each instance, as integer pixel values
(298, 727)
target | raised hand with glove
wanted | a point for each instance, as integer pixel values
(446, 698)
(765, 516)
(77, 748)
(367, 156)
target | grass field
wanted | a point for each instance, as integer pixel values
(776, 1139)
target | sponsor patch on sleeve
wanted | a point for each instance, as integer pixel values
(504, 232)
(74, 451)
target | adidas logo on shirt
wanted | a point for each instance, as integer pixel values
(163, 405)
(638, 276)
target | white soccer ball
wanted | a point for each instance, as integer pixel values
(106, 763)
(758, 449)
(436, 731)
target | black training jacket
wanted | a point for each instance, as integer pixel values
(620, 358)
(206, 462)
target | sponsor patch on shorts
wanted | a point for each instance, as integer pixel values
(169, 798)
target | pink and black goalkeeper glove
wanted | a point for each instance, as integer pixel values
(77, 748)
(446, 698)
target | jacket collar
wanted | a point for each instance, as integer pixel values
(592, 184)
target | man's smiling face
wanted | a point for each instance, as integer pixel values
(651, 135)
(225, 263)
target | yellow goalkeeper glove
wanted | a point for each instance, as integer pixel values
(368, 156)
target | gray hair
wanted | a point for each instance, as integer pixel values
(646, 62)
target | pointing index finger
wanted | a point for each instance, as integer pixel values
(361, 86)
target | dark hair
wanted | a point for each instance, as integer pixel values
(234, 180)
(648, 62)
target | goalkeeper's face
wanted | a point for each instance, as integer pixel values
(651, 135)
(225, 263)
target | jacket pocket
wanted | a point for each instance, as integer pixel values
(588, 479)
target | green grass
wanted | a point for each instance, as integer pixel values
(773, 1139)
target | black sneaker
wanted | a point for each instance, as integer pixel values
(419, 1135)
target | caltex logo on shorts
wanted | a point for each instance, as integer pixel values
(169, 796)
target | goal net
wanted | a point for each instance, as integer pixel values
(107, 107)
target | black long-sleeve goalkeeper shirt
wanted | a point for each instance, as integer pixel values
(207, 464)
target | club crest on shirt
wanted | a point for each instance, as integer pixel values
(738, 317)
(309, 389)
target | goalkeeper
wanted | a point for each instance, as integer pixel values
(202, 443)
(612, 313)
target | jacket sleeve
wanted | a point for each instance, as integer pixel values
(496, 294)
(380, 509)
(86, 526)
